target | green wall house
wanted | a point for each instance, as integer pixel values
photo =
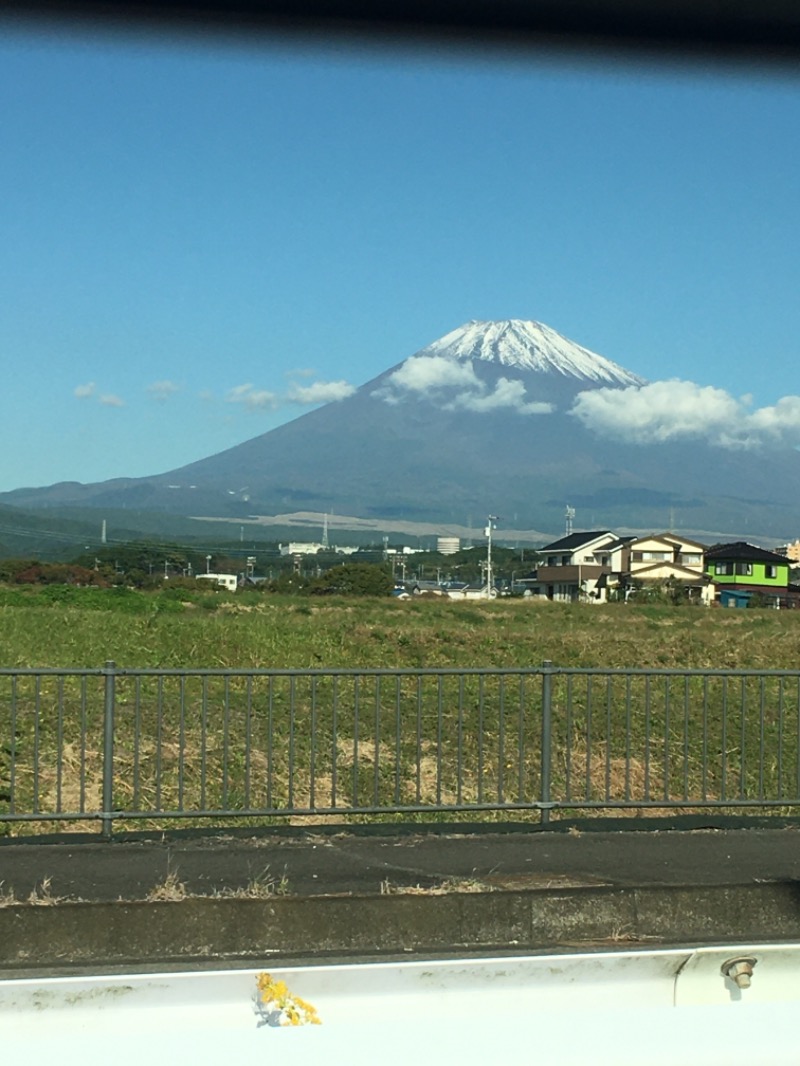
(742, 568)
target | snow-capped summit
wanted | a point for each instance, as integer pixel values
(532, 346)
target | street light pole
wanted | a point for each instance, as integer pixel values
(489, 576)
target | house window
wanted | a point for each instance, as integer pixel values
(636, 556)
(552, 560)
(770, 570)
(724, 568)
(565, 560)
(744, 569)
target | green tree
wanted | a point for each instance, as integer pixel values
(355, 579)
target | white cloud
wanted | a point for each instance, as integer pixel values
(781, 422)
(255, 399)
(423, 373)
(110, 399)
(431, 374)
(162, 390)
(682, 410)
(320, 392)
(84, 391)
(238, 393)
(506, 393)
(306, 395)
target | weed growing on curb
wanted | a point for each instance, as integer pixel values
(170, 890)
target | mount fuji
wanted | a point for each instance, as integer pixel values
(487, 418)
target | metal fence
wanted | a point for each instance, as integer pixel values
(112, 745)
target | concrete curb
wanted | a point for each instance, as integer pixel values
(201, 930)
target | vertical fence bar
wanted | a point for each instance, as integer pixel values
(480, 739)
(686, 702)
(12, 750)
(501, 743)
(334, 740)
(248, 744)
(418, 756)
(520, 742)
(609, 728)
(226, 737)
(723, 790)
(376, 767)
(159, 739)
(743, 742)
(181, 739)
(109, 703)
(460, 742)
(547, 737)
(292, 724)
(628, 720)
(137, 740)
(588, 774)
(704, 769)
(60, 745)
(354, 775)
(84, 727)
(762, 715)
(398, 736)
(203, 742)
(312, 769)
(270, 741)
(569, 736)
(37, 710)
(439, 739)
(667, 694)
(780, 738)
(647, 712)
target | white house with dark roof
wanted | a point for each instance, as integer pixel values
(576, 567)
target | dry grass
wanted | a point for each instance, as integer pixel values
(170, 890)
(7, 896)
(41, 895)
(446, 887)
(265, 886)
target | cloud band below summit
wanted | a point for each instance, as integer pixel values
(673, 410)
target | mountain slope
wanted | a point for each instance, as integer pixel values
(477, 421)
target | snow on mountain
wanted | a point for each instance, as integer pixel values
(531, 346)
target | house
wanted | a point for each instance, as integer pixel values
(659, 559)
(741, 571)
(576, 567)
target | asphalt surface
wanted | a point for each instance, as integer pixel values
(320, 863)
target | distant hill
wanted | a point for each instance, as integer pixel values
(477, 421)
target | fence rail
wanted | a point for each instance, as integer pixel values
(112, 745)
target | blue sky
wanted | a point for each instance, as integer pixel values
(201, 238)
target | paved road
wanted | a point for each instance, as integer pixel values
(320, 864)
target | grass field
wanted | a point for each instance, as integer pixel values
(242, 631)
(347, 745)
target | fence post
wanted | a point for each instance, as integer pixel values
(547, 737)
(107, 822)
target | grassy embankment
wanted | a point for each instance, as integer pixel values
(184, 745)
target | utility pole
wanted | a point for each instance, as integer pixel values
(489, 576)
